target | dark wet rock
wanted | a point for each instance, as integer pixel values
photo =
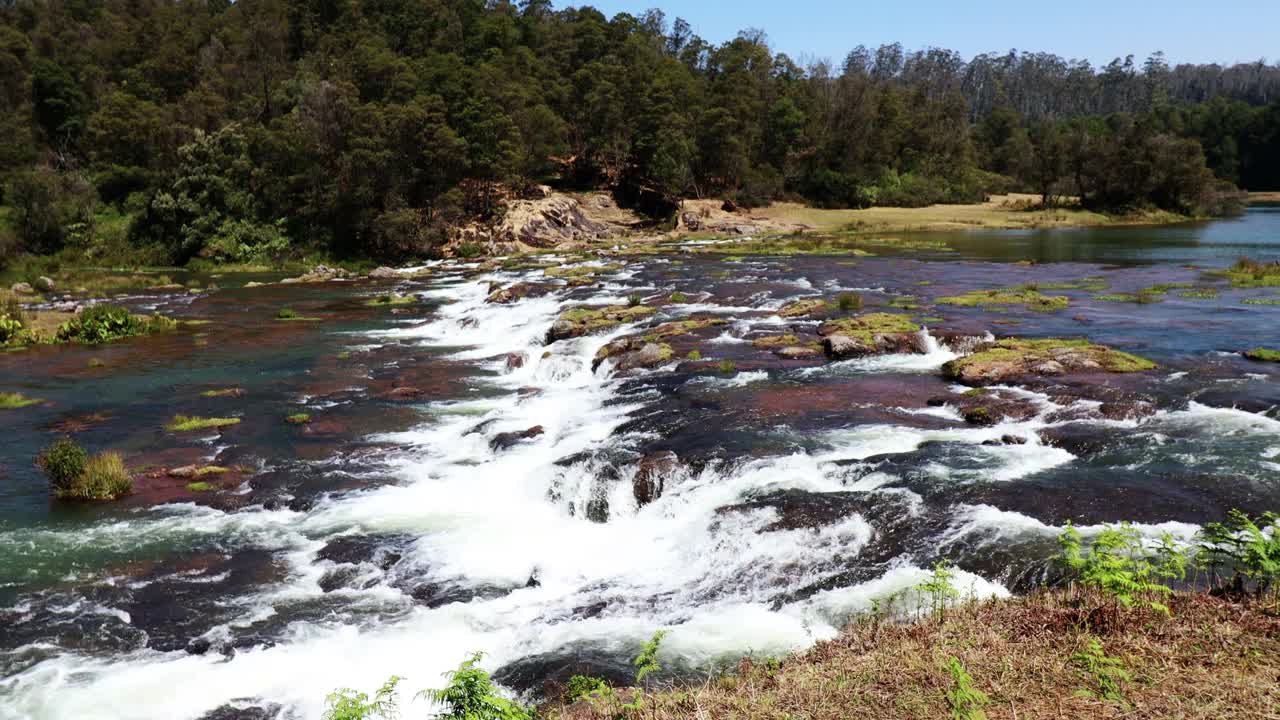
(516, 360)
(301, 504)
(989, 407)
(347, 576)
(480, 427)
(1006, 440)
(595, 609)
(433, 595)
(544, 674)
(379, 550)
(585, 321)
(652, 475)
(1079, 439)
(505, 440)
(199, 646)
(1005, 361)
(246, 711)
(729, 206)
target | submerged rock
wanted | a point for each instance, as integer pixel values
(652, 474)
(502, 441)
(1006, 360)
(512, 293)
(797, 352)
(989, 407)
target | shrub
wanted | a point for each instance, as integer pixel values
(850, 302)
(469, 250)
(471, 695)
(73, 475)
(12, 320)
(1249, 548)
(102, 323)
(580, 686)
(63, 462)
(695, 355)
(647, 661)
(679, 297)
(728, 366)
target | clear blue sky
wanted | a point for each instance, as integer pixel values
(1225, 31)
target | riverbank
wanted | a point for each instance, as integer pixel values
(1262, 198)
(1030, 657)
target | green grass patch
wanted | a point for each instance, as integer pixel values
(188, 423)
(1199, 294)
(298, 419)
(865, 327)
(1261, 301)
(1248, 273)
(222, 393)
(16, 401)
(1263, 355)
(1028, 297)
(199, 486)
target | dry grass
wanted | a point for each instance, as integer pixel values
(1211, 659)
(999, 212)
(1264, 197)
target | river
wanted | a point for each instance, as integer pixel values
(399, 532)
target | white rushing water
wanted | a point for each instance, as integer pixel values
(482, 519)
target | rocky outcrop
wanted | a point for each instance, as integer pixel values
(385, 273)
(22, 288)
(320, 273)
(584, 321)
(651, 476)
(801, 308)
(870, 334)
(546, 222)
(634, 353)
(798, 352)
(1005, 361)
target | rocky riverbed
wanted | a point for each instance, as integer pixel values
(546, 459)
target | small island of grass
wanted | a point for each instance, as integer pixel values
(187, 423)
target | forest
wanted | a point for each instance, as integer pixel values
(158, 131)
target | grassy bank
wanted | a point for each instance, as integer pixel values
(1000, 212)
(1054, 654)
(1264, 197)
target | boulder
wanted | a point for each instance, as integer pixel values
(44, 284)
(22, 288)
(871, 334)
(652, 474)
(319, 273)
(502, 441)
(384, 273)
(691, 221)
(797, 352)
(989, 407)
(546, 222)
(512, 293)
(1007, 360)
(584, 321)
(515, 360)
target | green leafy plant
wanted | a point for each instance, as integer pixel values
(1246, 548)
(727, 366)
(74, 475)
(1115, 563)
(585, 686)
(695, 355)
(347, 704)
(966, 701)
(647, 661)
(679, 297)
(1107, 674)
(938, 588)
(634, 301)
(102, 323)
(471, 695)
(287, 313)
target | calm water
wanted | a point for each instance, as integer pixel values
(392, 535)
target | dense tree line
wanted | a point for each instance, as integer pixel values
(244, 130)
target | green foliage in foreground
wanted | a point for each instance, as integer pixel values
(1115, 564)
(188, 423)
(73, 475)
(966, 701)
(1106, 674)
(348, 704)
(106, 322)
(471, 695)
